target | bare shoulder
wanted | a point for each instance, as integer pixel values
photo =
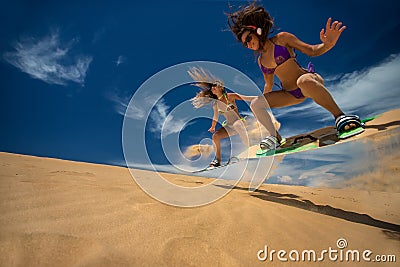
(232, 96)
(283, 38)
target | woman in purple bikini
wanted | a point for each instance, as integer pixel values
(251, 26)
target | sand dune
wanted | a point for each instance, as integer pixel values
(63, 213)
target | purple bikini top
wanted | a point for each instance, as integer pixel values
(281, 54)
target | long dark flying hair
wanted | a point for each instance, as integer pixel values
(205, 80)
(246, 18)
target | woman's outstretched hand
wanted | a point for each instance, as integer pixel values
(331, 34)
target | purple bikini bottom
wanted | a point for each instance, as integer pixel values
(297, 92)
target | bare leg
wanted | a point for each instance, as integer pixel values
(240, 128)
(312, 86)
(221, 133)
(271, 100)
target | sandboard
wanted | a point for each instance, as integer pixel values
(231, 161)
(327, 136)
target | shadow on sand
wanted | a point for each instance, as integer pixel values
(392, 231)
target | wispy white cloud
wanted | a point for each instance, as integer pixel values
(285, 179)
(321, 171)
(139, 110)
(238, 80)
(161, 119)
(371, 90)
(121, 105)
(49, 60)
(314, 174)
(121, 59)
(165, 122)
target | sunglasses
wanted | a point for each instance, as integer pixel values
(211, 85)
(247, 40)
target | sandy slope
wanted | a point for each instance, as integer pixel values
(63, 213)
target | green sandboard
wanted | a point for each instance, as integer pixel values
(311, 145)
(287, 150)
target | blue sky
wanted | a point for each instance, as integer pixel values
(68, 69)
